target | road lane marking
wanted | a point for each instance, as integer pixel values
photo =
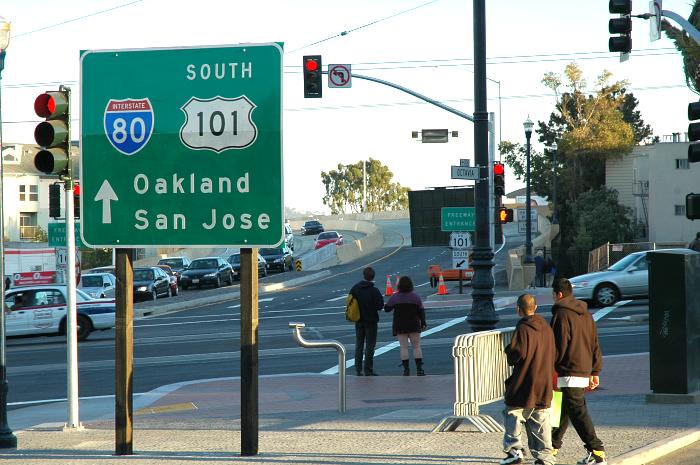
(336, 298)
(393, 345)
(604, 311)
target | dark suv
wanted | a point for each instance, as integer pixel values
(278, 258)
(311, 227)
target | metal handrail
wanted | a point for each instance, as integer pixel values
(342, 398)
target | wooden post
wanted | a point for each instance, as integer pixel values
(249, 351)
(124, 353)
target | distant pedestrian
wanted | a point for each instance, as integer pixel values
(8, 282)
(550, 271)
(539, 269)
(695, 243)
(578, 362)
(371, 301)
(529, 389)
(409, 321)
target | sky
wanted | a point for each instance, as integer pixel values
(424, 45)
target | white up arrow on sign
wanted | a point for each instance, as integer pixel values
(106, 194)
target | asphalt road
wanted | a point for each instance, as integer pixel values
(204, 342)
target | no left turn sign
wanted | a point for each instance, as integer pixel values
(339, 76)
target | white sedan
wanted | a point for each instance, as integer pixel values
(42, 310)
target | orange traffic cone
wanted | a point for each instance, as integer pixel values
(389, 290)
(442, 289)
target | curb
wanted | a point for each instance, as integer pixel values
(658, 449)
(225, 297)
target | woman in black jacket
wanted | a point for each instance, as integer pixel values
(409, 321)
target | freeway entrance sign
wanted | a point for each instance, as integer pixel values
(57, 235)
(457, 219)
(182, 146)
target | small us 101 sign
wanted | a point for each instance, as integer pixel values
(460, 240)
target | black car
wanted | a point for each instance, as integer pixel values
(177, 264)
(278, 258)
(311, 227)
(209, 270)
(235, 261)
(150, 283)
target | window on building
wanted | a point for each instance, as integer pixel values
(28, 193)
(682, 164)
(27, 225)
(33, 193)
(22, 192)
(680, 210)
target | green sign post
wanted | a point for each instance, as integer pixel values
(182, 146)
(57, 235)
(457, 219)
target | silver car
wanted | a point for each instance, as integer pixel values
(627, 278)
(98, 285)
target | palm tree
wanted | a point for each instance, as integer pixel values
(688, 47)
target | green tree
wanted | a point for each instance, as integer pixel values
(40, 235)
(598, 218)
(344, 188)
(689, 49)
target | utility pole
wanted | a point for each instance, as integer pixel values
(482, 315)
(364, 186)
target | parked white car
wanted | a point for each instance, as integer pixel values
(42, 310)
(98, 285)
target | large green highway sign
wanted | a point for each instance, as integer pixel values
(182, 146)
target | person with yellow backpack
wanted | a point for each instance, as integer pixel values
(370, 301)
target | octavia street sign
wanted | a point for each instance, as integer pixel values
(182, 146)
(465, 172)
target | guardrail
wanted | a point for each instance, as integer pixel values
(481, 369)
(342, 397)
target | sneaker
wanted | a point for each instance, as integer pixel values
(555, 452)
(539, 462)
(514, 456)
(597, 457)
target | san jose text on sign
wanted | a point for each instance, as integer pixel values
(182, 146)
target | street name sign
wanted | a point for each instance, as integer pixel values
(460, 259)
(457, 219)
(460, 240)
(182, 146)
(465, 172)
(57, 235)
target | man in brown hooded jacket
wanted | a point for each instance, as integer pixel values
(529, 389)
(578, 363)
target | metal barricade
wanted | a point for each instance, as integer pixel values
(481, 369)
(342, 398)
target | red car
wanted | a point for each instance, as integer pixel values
(328, 237)
(173, 278)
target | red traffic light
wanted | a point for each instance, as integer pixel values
(76, 189)
(499, 169)
(311, 65)
(50, 104)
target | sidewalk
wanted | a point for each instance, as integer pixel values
(388, 421)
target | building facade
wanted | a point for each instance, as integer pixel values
(653, 181)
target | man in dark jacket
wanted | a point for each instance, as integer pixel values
(371, 302)
(578, 363)
(529, 389)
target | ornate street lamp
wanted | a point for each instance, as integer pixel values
(528, 125)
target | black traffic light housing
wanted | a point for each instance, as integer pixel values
(504, 215)
(54, 200)
(694, 131)
(499, 182)
(692, 206)
(53, 134)
(313, 83)
(622, 26)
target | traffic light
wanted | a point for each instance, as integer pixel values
(694, 132)
(54, 200)
(692, 206)
(313, 84)
(499, 182)
(622, 26)
(76, 201)
(505, 215)
(53, 135)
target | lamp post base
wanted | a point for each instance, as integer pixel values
(7, 439)
(482, 316)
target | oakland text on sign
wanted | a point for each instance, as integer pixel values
(182, 146)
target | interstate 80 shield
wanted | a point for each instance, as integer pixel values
(128, 124)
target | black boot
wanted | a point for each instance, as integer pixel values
(419, 367)
(406, 371)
